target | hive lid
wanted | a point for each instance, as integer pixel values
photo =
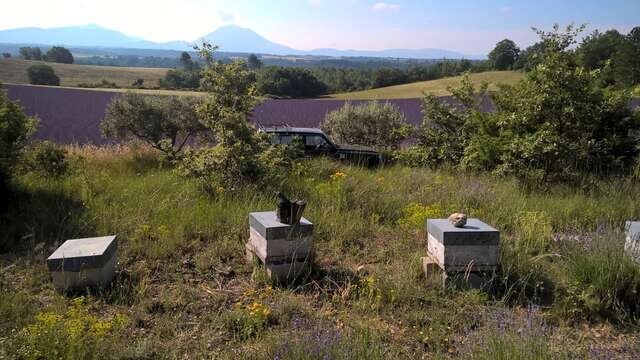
(475, 232)
(267, 225)
(78, 254)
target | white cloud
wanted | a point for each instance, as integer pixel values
(381, 6)
(506, 9)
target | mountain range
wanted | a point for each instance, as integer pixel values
(229, 38)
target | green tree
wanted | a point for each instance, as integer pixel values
(627, 60)
(60, 54)
(42, 75)
(598, 48)
(504, 55)
(254, 62)
(241, 156)
(15, 130)
(181, 79)
(530, 57)
(186, 61)
(382, 125)
(166, 123)
(557, 124)
(447, 129)
(6, 55)
(31, 53)
(289, 82)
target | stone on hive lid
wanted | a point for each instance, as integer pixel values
(632, 243)
(473, 247)
(88, 262)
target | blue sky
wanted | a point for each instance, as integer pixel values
(471, 26)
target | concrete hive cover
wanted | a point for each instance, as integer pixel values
(475, 232)
(78, 254)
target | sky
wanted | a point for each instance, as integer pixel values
(470, 27)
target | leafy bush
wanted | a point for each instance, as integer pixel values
(74, 335)
(42, 75)
(165, 123)
(449, 129)
(555, 125)
(241, 155)
(60, 54)
(49, 159)
(181, 79)
(372, 124)
(15, 130)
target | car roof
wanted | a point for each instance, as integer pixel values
(288, 129)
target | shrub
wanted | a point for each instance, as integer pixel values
(15, 130)
(557, 124)
(42, 75)
(74, 335)
(241, 155)
(165, 123)
(138, 83)
(60, 54)
(371, 124)
(49, 159)
(449, 129)
(181, 79)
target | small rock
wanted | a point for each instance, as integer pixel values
(458, 219)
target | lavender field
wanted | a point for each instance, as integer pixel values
(73, 116)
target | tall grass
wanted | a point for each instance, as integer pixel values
(181, 254)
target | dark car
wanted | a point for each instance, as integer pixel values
(317, 143)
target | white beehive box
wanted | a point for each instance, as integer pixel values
(80, 263)
(474, 247)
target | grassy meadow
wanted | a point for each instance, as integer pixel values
(183, 289)
(14, 71)
(437, 87)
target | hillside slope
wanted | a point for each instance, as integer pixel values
(15, 71)
(438, 87)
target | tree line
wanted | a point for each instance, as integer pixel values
(295, 82)
(56, 54)
(614, 55)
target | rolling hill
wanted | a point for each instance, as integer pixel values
(14, 71)
(438, 87)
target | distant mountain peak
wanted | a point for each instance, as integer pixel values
(229, 38)
(234, 38)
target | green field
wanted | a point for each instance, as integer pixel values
(183, 289)
(437, 87)
(14, 71)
